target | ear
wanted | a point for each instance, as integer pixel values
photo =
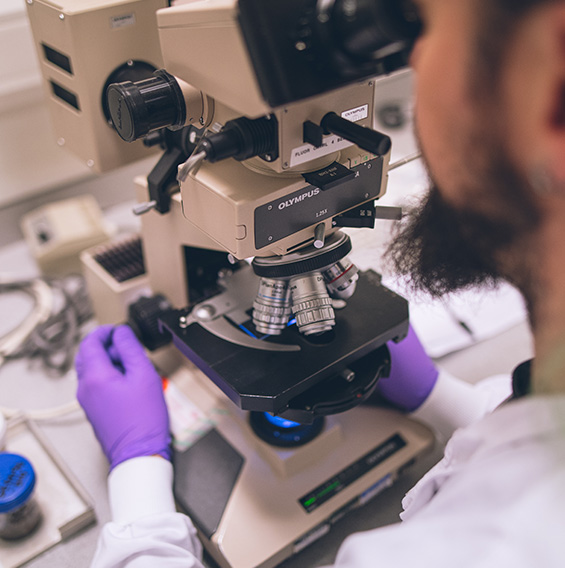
(553, 116)
(534, 91)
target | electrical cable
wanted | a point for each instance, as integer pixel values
(404, 161)
(43, 297)
(52, 330)
(42, 415)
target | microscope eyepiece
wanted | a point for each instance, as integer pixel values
(302, 48)
(364, 27)
(136, 109)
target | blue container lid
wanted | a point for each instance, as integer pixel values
(17, 480)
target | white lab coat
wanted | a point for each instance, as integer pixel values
(497, 499)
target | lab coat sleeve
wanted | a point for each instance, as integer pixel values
(146, 531)
(454, 403)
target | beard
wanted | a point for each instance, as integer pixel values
(444, 248)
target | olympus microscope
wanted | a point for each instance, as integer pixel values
(263, 111)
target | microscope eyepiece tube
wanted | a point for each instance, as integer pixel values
(364, 27)
(302, 48)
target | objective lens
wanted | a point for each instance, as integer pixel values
(271, 308)
(304, 271)
(311, 304)
(341, 279)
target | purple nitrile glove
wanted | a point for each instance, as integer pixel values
(412, 374)
(122, 395)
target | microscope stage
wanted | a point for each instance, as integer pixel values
(260, 379)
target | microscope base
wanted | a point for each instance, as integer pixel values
(254, 504)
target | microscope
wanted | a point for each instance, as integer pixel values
(264, 111)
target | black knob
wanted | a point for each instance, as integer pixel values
(143, 318)
(366, 138)
(144, 106)
(243, 138)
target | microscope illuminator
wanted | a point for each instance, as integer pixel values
(81, 47)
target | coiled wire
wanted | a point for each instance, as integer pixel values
(52, 329)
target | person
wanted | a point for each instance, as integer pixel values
(490, 118)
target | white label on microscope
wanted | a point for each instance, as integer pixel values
(122, 21)
(356, 114)
(308, 152)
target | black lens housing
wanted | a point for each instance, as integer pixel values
(133, 71)
(362, 28)
(302, 48)
(136, 109)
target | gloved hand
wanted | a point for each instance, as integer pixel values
(412, 374)
(122, 395)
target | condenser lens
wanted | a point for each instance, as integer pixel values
(280, 422)
(284, 433)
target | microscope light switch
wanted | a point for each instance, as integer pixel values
(329, 177)
(313, 134)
